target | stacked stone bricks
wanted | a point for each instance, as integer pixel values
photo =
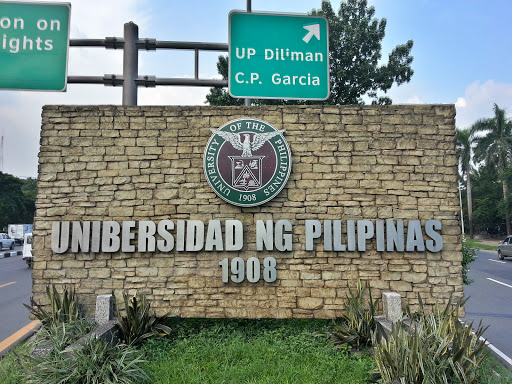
(349, 162)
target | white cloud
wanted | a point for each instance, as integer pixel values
(173, 96)
(414, 100)
(20, 112)
(461, 102)
(479, 99)
(408, 93)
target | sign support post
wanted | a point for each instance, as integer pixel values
(130, 63)
(249, 10)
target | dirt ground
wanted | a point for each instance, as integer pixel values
(493, 242)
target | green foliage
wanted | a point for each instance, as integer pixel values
(487, 191)
(17, 200)
(477, 244)
(29, 189)
(355, 45)
(357, 326)
(464, 140)
(468, 256)
(239, 351)
(139, 323)
(64, 308)
(95, 363)
(246, 351)
(220, 96)
(494, 148)
(492, 371)
(439, 349)
(12, 365)
(60, 335)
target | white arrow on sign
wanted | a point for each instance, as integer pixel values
(314, 30)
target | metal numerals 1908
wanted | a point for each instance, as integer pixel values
(240, 269)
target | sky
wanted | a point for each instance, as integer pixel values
(462, 55)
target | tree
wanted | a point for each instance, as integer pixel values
(486, 190)
(355, 47)
(495, 148)
(464, 142)
(218, 95)
(16, 207)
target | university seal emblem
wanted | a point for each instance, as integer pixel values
(247, 162)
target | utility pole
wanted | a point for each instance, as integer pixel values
(2, 151)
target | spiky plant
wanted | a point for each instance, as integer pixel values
(140, 323)
(439, 349)
(356, 327)
(64, 308)
(95, 363)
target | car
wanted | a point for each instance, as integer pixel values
(6, 242)
(505, 248)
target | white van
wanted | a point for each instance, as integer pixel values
(27, 249)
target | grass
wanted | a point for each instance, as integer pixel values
(474, 243)
(10, 370)
(249, 351)
(252, 351)
(493, 372)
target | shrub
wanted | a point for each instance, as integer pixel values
(139, 324)
(95, 363)
(63, 334)
(65, 308)
(438, 349)
(468, 256)
(356, 327)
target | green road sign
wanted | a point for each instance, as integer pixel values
(34, 40)
(278, 56)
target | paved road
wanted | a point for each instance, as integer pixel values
(491, 300)
(15, 290)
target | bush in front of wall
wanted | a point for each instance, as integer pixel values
(439, 349)
(356, 327)
(95, 363)
(140, 323)
(61, 335)
(64, 308)
(468, 256)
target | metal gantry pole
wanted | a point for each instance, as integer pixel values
(130, 79)
(249, 10)
(130, 63)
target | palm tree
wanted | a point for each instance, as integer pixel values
(495, 148)
(464, 142)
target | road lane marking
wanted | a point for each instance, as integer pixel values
(497, 261)
(5, 285)
(18, 335)
(499, 282)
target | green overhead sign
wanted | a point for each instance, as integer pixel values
(278, 56)
(34, 41)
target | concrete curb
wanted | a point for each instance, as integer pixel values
(504, 359)
(10, 254)
(23, 337)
